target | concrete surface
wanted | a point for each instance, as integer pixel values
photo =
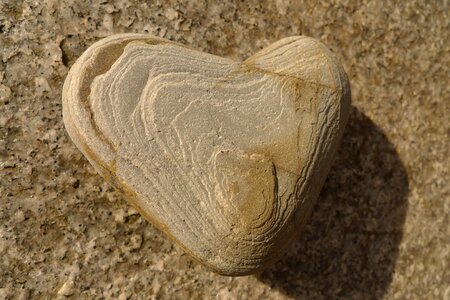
(380, 229)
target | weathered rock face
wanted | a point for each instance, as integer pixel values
(225, 157)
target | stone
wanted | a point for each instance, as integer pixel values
(67, 289)
(227, 158)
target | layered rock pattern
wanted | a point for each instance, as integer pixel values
(227, 158)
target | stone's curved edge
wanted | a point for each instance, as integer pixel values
(344, 86)
(78, 121)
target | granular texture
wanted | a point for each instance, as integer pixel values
(380, 229)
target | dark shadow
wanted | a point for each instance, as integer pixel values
(349, 247)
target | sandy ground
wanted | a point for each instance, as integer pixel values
(380, 229)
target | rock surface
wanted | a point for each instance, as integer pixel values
(225, 157)
(379, 229)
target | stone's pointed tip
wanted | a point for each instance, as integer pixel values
(226, 158)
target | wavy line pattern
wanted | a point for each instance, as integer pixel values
(225, 157)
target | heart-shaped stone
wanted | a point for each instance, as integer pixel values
(227, 158)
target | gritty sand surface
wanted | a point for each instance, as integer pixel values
(380, 229)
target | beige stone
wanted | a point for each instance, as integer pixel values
(227, 158)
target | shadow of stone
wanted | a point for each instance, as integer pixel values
(349, 247)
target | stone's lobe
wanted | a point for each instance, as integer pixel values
(225, 157)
